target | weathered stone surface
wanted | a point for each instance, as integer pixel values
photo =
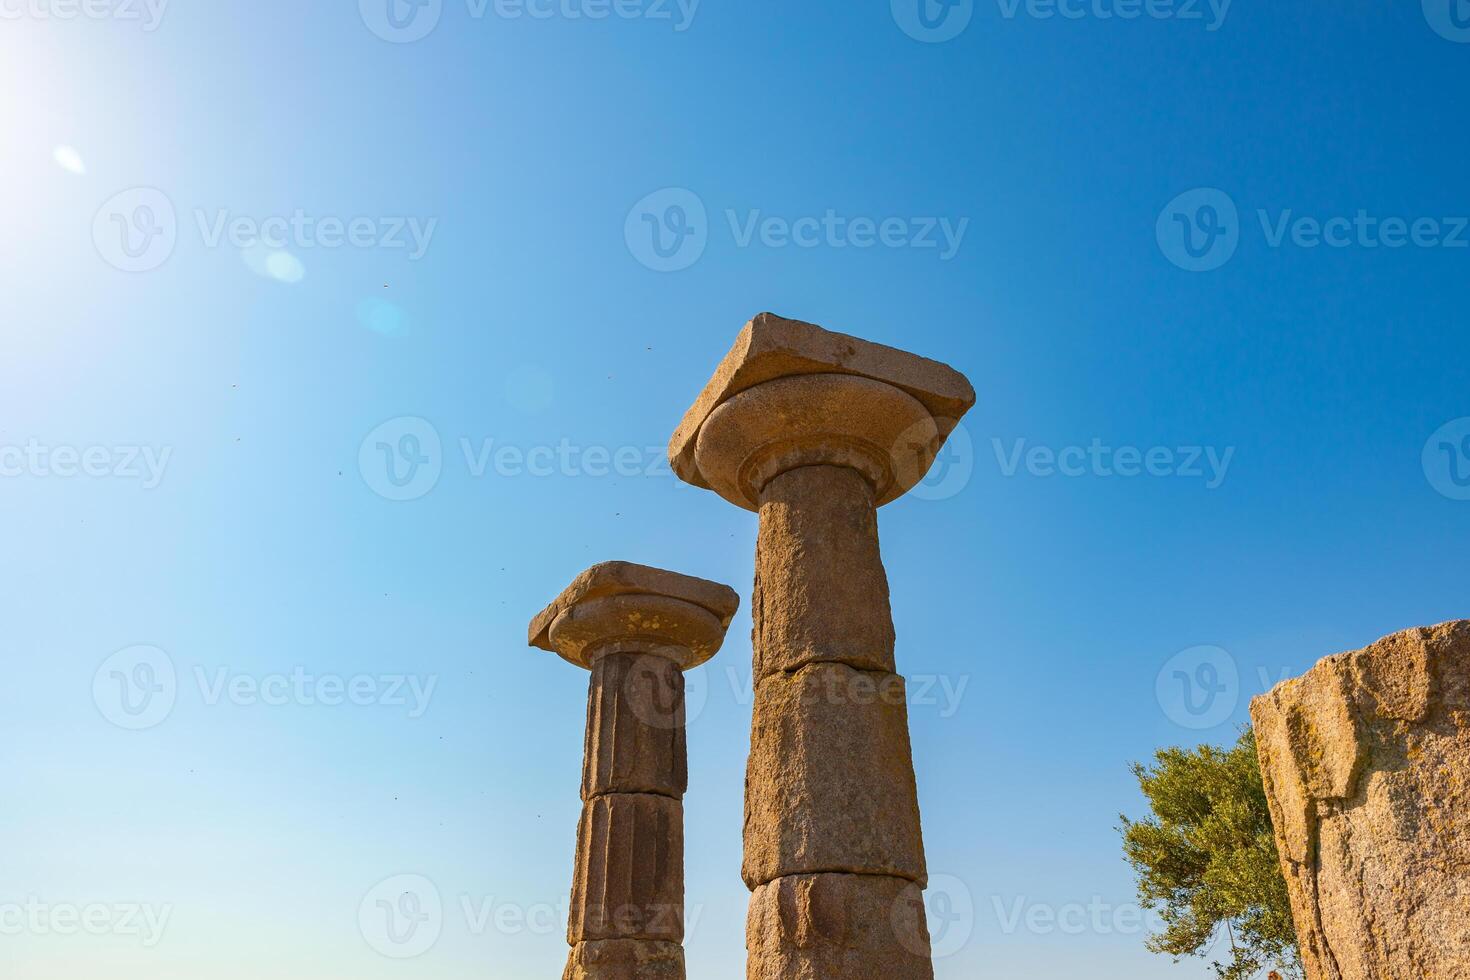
(830, 782)
(673, 629)
(772, 347)
(837, 927)
(626, 617)
(816, 420)
(822, 594)
(636, 629)
(815, 430)
(635, 727)
(1366, 763)
(629, 877)
(625, 959)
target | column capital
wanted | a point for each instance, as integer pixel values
(792, 394)
(621, 607)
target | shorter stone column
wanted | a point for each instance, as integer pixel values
(1366, 765)
(637, 629)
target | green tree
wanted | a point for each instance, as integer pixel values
(1206, 859)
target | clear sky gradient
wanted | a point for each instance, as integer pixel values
(259, 252)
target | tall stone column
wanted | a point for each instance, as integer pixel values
(815, 430)
(1366, 764)
(637, 629)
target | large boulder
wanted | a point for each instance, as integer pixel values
(1366, 763)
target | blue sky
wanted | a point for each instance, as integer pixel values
(246, 243)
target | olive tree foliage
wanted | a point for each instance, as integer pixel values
(1205, 859)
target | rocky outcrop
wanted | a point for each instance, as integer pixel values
(1366, 763)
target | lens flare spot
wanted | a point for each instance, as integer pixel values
(380, 316)
(284, 267)
(68, 159)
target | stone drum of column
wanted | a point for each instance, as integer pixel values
(635, 727)
(1366, 764)
(636, 629)
(821, 594)
(815, 430)
(629, 878)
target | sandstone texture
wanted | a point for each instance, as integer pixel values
(629, 878)
(830, 782)
(635, 728)
(811, 420)
(661, 618)
(625, 959)
(838, 927)
(817, 526)
(636, 629)
(1366, 763)
(815, 430)
(772, 347)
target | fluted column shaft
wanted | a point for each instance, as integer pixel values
(627, 912)
(636, 629)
